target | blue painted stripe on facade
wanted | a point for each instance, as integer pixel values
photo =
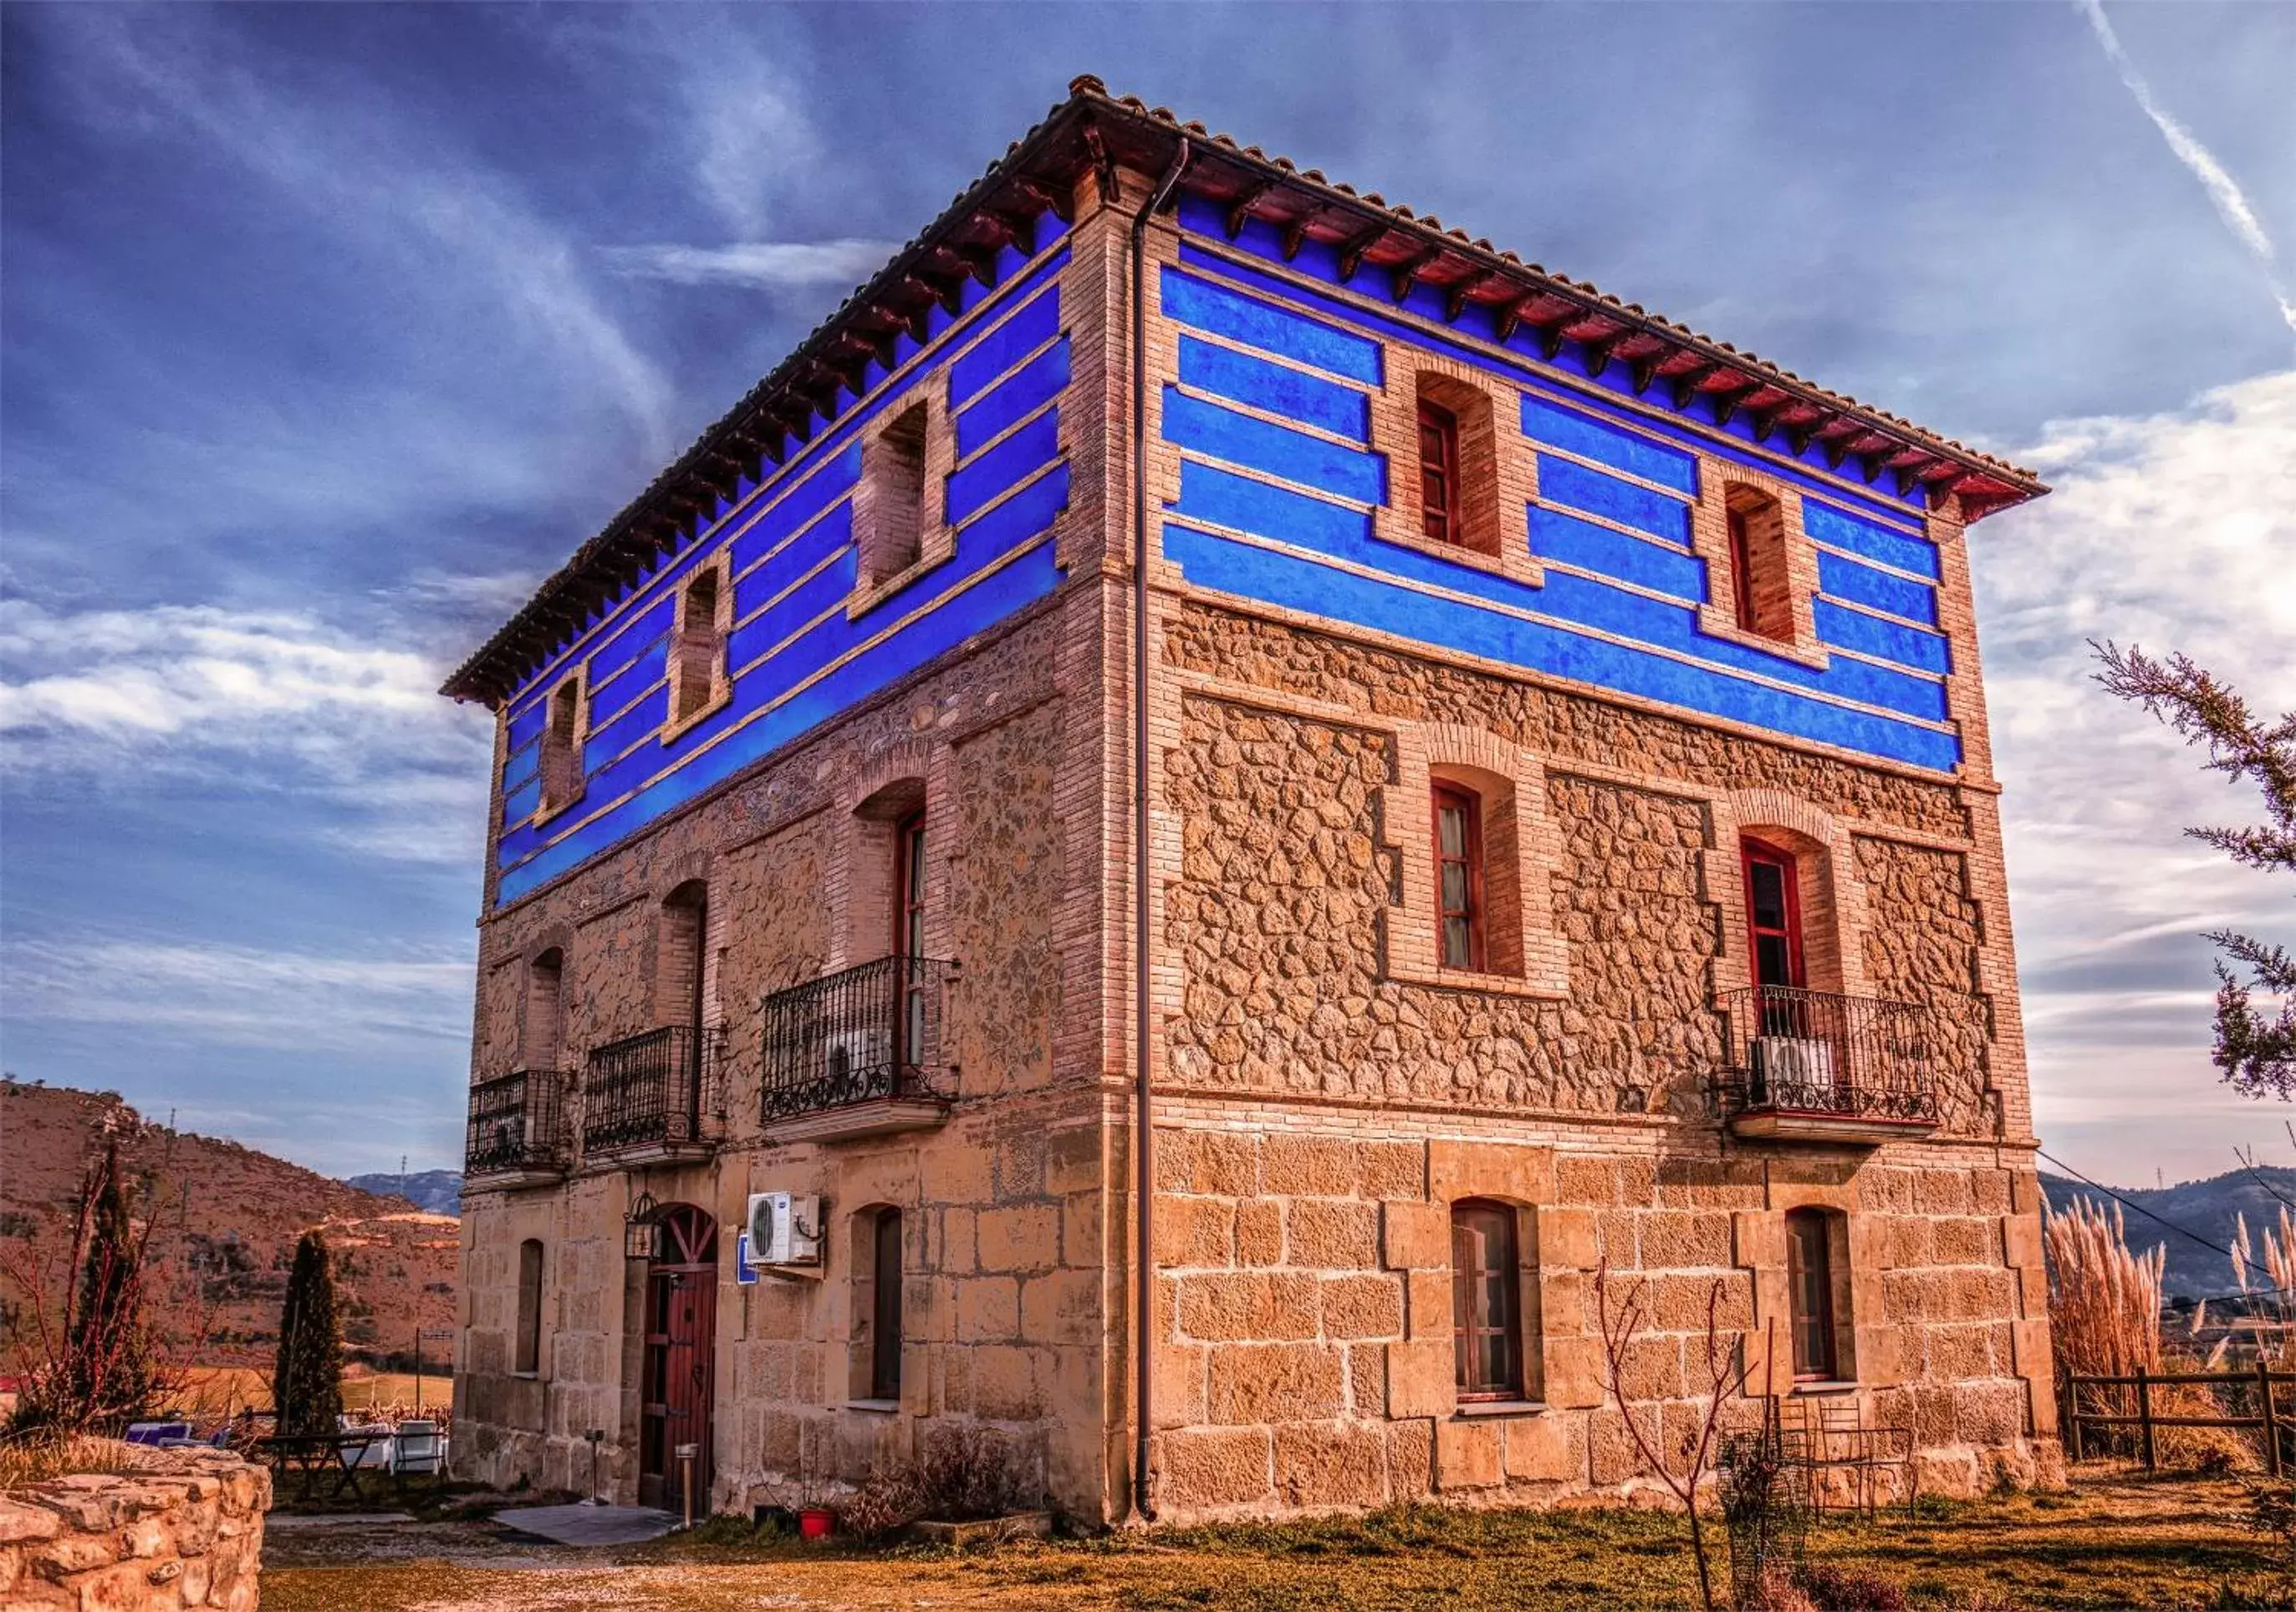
(1340, 410)
(757, 683)
(1592, 438)
(1270, 329)
(608, 700)
(802, 603)
(1207, 428)
(1262, 241)
(1846, 579)
(1015, 397)
(1236, 568)
(837, 476)
(1318, 262)
(1026, 329)
(1840, 529)
(1562, 481)
(1871, 635)
(806, 549)
(600, 745)
(841, 443)
(1559, 537)
(630, 640)
(518, 804)
(1032, 447)
(525, 724)
(1222, 498)
(521, 765)
(1027, 579)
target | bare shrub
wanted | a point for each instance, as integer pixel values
(962, 1473)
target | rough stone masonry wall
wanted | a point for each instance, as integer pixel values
(184, 1529)
(1320, 1116)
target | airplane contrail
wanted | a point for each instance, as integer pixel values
(2231, 204)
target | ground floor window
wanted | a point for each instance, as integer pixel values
(1485, 1301)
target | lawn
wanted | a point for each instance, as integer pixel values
(2114, 1541)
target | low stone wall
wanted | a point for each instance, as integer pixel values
(184, 1529)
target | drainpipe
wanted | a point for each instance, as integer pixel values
(1143, 1179)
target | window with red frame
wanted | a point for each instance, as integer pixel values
(1772, 915)
(1459, 877)
(1438, 473)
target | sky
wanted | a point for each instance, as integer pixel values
(326, 332)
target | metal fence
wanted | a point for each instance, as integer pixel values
(517, 1124)
(2104, 1415)
(656, 1087)
(1813, 1052)
(864, 1033)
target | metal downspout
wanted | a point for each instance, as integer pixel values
(1144, 1159)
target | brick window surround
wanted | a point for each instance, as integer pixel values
(1761, 568)
(565, 724)
(699, 681)
(1493, 476)
(1520, 952)
(900, 509)
(1830, 898)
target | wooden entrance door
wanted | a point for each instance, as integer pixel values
(678, 1389)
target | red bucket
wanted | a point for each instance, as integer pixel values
(813, 1523)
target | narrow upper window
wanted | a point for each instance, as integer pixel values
(700, 649)
(1810, 1290)
(1772, 915)
(909, 932)
(545, 1010)
(896, 472)
(527, 1355)
(1485, 1301)
(885, 1309)
(1760, 592)
(561, 747)
(1439, 472)
(1459, 877)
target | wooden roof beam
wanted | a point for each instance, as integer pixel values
(1352, 250)
(1455, 297)
(1506, 317)
(1685, 383)
(1402, 274)
(1239, 208)
(1046, 199)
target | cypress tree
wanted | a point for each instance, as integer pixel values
(111, 1371)
(306, 1387)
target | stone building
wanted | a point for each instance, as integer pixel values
(1531, 809)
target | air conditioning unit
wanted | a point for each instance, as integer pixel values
(1794, 1061)
(852, 1049)
(785, 1228)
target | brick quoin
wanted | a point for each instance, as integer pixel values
(1325, 1088)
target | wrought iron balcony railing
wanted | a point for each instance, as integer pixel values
(1826, 1062)
(866, 1033)
(518, 1124)
(659, 1088)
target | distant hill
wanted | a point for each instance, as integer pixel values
(2207, 1208)
(440, 1192)
(228, 1220)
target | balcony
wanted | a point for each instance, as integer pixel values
(517, 1132)
(1807, 1066)
(653, 1098)
(858, 1053)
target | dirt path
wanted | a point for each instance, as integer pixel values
(2115, 1542)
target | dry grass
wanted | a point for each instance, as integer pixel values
(2104, 1302)
(2117, 1541)
(33, 1458)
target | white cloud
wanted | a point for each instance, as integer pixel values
(768, 265)
(2176, 531)
(256, 700)
(241, 996)
(2224, 191)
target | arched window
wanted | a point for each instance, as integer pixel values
(885, 1308)
(1461, 930)
(698, 652)
(526, 1353)
(1486, 1301)
(561, 747)
(545, 1010)
(1816, 1295)
(1458, 464)
(1761, 590)
(1773, 935)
